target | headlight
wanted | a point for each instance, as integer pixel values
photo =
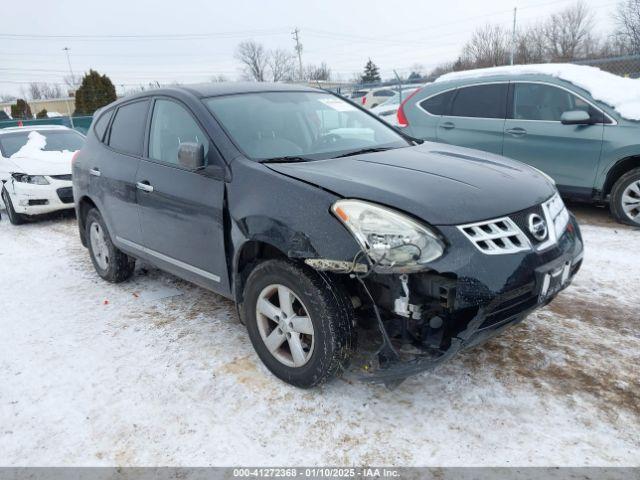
(391, 239)
(33, 179)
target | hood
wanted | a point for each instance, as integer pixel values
(32, 159)
(441, 184)
(57, 164)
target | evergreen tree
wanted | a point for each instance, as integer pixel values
(94, 92)
(42, 113)
(371, 73)
(21, 110)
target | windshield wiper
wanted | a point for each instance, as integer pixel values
(286, 159)
(364, 150)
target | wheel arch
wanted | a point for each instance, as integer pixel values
(248, 255)
(84, 205)
(618, 169)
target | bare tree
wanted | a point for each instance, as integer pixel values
(43, 90)
(531, 45)
(488, 47)
(7, 97)
(627, 18)
(569, 33)
(318, 72)
(219, 78)
(282, 65)
(253, 57)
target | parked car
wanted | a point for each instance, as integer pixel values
(388, 109)
(315, 216)
(376, 96)
(35, 169)
(357, 95)
(539, 115)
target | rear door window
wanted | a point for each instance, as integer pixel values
(127, 129)
(438, 104)
(481, 101)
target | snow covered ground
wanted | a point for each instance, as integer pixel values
(156, 371)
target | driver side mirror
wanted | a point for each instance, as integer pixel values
(576, 117)
(191, 155)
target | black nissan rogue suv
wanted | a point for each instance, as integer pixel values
(314, 217)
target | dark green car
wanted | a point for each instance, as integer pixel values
(588, 147)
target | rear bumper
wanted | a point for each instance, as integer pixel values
(29, 199)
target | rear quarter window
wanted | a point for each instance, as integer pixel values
(438, 104)
(100, 126)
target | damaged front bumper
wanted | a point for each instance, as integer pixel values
(463, 299)
(479, 296)
(32, 199)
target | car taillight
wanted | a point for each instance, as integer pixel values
(364, 100)
(402, 118)
(75, 156)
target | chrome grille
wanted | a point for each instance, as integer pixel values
(496, 237)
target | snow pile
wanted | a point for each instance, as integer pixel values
(623, 94)
(34, 149)
(53, 114)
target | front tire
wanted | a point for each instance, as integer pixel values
(14, 218)
(625, 198)
(300, 324)
(111, 264)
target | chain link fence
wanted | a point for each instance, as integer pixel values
(625, 66)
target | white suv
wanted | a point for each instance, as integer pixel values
(35, 169)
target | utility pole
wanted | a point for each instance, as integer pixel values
(73, 78)
(73, 82)
(513, 34)
(298, 50)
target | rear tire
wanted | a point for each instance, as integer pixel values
(111, 264)
(625, 198)
(14, 218)
(322, 331)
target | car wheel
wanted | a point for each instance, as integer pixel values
(625, 198)
(110, 263)
(14, 218)
(300, 324)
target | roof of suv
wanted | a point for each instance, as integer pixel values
(32, 128)
(226, 88)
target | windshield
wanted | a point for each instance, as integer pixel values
(299, 124)
(56, 141)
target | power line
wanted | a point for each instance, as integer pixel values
(163, 36)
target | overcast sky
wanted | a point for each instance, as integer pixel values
(187, 41)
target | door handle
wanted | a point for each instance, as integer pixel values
(516, 131)
(144, 186)
(447, 125)
(95, 172)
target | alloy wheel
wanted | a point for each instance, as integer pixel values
(631, 201)
(99, 245)
(285, 326)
